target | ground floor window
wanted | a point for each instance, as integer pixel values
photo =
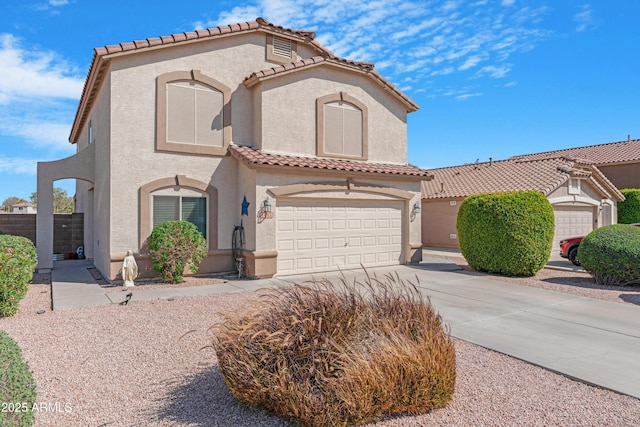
(175, 208)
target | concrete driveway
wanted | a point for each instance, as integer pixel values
(594, 341)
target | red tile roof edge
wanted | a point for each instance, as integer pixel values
(568, 151)
(123, 47)
(563, 164)
(253, 156)
(204, 33)
(364, 67)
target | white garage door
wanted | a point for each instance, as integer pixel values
(314, 236)
(572, 221)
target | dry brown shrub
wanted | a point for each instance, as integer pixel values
(336, 354)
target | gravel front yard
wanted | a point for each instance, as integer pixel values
(151, 364)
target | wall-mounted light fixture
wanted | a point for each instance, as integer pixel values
(265, 210)
(266, 205)
(416, 208)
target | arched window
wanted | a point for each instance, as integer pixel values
(193, 114)
(179, 198)
(341, 127)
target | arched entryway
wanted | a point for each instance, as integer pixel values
(79, 166)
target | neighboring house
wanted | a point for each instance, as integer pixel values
(24, 208)
(618, 161)
(250, 125)
(581, 196)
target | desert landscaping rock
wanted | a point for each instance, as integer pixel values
(150, 364)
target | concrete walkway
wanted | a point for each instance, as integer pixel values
(593, 341)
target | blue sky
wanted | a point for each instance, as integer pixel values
(493, 78)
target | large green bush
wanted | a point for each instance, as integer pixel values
(629, 209)
(17, 387)
(18, 259)
(325, 354)
(611, 254)
(174, 246)
(507, 233)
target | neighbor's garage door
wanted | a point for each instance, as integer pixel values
(315, 236)
(572, 221)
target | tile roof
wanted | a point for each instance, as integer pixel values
(99, 63)
(329, 59)
(601, 154)
(254, 157)
(544, 175)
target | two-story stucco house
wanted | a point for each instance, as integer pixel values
(250, 125)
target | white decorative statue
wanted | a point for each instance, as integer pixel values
(129, 269)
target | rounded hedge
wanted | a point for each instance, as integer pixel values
(174, 246)
(509, 233)
(18, 259)
(17, 387)
(611, 254)
(629, 209)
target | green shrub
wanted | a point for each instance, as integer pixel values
(326, 354)
(507, 233)
(18, 259)
(629, 209)
(174, 246)
(17, 386)
(611, 254)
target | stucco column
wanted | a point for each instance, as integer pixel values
(44, 221)
(80, 166)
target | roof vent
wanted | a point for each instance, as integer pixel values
(282, 47)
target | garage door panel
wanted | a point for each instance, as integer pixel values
(321, 243)
(304, 244)
(304, 225)
(322, 225)
(337, 234)
(339, 224)
(286, 245)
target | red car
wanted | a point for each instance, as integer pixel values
(569, 247)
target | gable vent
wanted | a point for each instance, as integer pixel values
(282, 47)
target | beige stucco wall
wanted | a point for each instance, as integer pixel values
(439, 218)
(289, 103)
(623, 175)
(93, 198)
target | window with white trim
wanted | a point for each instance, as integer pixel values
(187, 206)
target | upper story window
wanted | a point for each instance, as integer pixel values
(193, 114)
(281, 50)
(90, 133)
(574, 186)
(342, 123)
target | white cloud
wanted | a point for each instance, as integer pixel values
(38, 96)
(424, 39)
(467, 96)
(56, 3)
(28, 74)
(497, 72)
(18, 166)
(585, 19)
(471, 62)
